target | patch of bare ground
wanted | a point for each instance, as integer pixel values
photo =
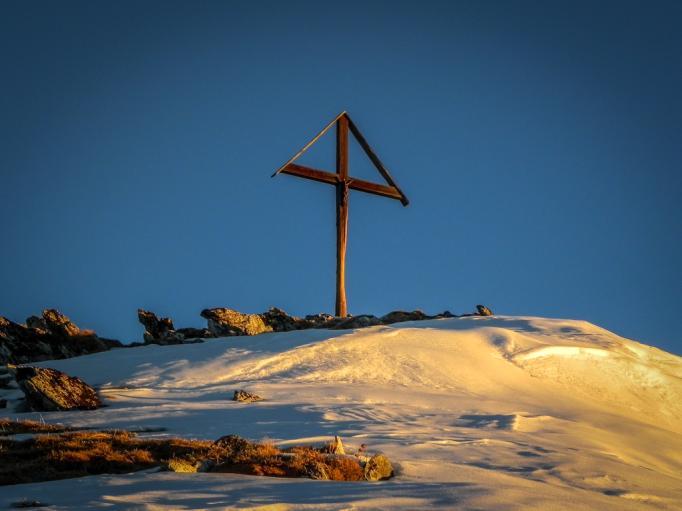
(63, 454)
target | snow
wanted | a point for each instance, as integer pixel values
(477, 413)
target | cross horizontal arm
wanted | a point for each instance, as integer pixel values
(330, 178)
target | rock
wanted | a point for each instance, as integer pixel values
(48, 390)
(378, 468)
(183, 466)
(194, 333)
(400, 316)
(111, 343)
(156, 329)
(318, 320)
(482, 310)
(161, 330)
(51, 337)
(245, 397)
(280, 321)
(224, 322)
(362, 321)
(36, 323)
(58, 324)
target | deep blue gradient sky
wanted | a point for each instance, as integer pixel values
(540, 144)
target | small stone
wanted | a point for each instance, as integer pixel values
(183, 466)
(245, 397)
(378, 468)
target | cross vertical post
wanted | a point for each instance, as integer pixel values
(341, 214)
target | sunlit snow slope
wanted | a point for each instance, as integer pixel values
(477, 413)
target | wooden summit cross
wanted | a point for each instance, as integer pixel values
(344, 183)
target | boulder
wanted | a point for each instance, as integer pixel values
(48, 390)
(400, 316)
(482, 310)
(245, 397)
(156, 329)
(378, 468)
(224, 322)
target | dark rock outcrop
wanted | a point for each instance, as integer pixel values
(361, 321)
(155, 328)
(48, 390)
(194, 334)
(224, 322)
(161, 330)
(400, 316)
(59, 325)
(280, 321)
(53, 336)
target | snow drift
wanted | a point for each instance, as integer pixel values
(479, 412)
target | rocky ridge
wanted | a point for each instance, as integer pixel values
(48, 337)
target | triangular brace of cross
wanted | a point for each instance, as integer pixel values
(344, 183)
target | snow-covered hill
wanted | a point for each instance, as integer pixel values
(477, 413)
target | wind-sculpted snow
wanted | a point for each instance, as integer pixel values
(479, 412)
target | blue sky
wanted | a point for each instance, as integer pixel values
(540, 144)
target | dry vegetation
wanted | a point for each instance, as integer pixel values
(14, 427)
(63, 454)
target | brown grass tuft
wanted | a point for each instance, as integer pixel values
(14, 427)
